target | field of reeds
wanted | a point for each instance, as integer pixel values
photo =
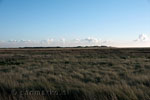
(75, 73)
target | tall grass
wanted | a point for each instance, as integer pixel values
(75, 74)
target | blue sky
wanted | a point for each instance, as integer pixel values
(114, 20)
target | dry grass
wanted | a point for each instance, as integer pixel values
(75, 74)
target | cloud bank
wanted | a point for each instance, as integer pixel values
(142, 41)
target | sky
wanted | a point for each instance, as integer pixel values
(120, 23)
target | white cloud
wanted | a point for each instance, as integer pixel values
(91, 40)
(46, 42)
(142, 41)
(142, 37)
(26, 41)
(50, 40)
(19, 41)
(11, 41)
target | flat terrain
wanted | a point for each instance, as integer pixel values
(75, 74)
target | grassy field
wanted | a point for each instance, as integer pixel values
(75, 74)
